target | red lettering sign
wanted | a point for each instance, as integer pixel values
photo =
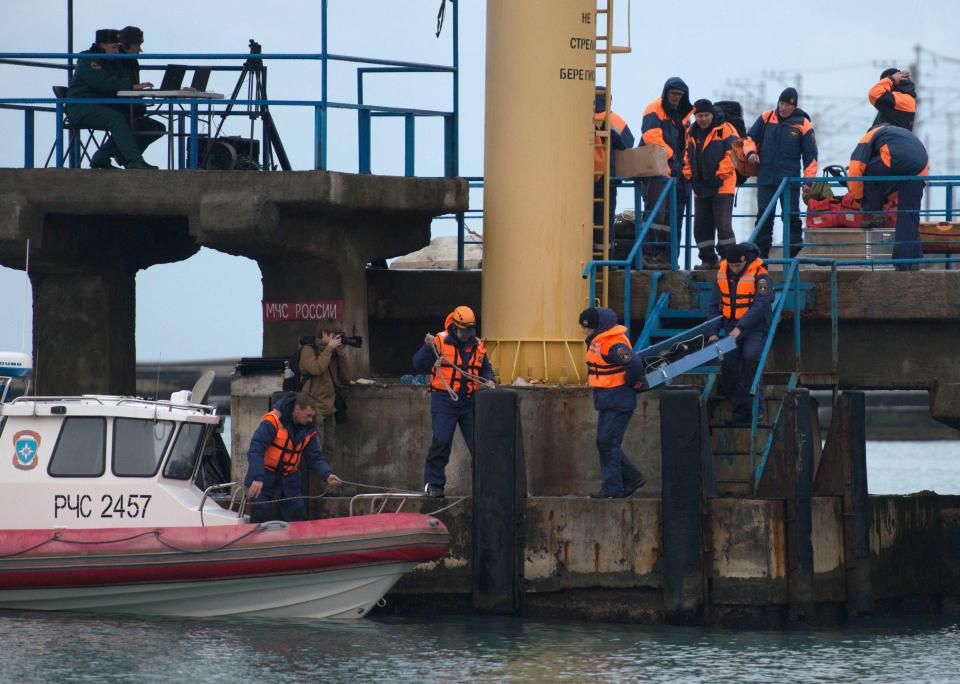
(301, 311)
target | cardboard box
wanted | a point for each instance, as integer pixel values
(641, 162)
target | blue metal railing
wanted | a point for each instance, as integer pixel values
(322, 107)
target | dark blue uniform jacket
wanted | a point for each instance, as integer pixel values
(622, 398)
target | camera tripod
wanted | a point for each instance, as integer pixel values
(255, 75)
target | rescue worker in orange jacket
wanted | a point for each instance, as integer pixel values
(284, 444)
(665, 122)
(892, 151)
(742, 295)
(708, 165)
(615, 373)
(778, 140)
(895, 98)
(621, 138)
(445, 356)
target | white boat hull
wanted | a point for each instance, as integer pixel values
(346, 593)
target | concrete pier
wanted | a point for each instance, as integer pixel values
(311, 233)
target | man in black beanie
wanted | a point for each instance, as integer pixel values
(743, 296)
(708, 165)
(613, 371)
(895, 98)
(778, 140)
(101, 78)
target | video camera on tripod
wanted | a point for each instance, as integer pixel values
(236, 152)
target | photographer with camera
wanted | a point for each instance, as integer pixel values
(324, 368)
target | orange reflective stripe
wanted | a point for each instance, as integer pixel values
(885, 155)
(904, 103)
(879, 89)
(601, 373)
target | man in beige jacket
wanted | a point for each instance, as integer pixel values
(323, 369)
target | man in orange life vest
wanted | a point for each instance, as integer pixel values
(285, 439)
(457, 348)
(613, 371)
(742, 294)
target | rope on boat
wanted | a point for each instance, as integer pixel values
(158, 533)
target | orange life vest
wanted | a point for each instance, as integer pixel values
(618, 124)
(446, 376)
(735, 306)
(283, 455)
(600, 373)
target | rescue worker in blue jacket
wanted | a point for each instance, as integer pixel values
(102, 78)
(892, 151)
(446, 356)
(665, 123)
(742, 294)
(895, 98)
(779, 139)
(621, 138)
(615, 373)
(283, 444)
(708, 166)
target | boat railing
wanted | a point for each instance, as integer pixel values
(162, 402)
(38, 399)
(379, 500)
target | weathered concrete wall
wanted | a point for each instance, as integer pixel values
(388, 434)
(906, 547)
(311, 233)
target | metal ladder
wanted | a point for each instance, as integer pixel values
(605, 50)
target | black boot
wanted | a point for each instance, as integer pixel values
(140, 164)
(101, 161)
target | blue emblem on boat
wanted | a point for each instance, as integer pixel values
(26, 445)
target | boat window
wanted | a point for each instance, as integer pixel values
(138, 446)
(80, 448)
(186, 449)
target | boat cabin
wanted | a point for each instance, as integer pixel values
(98, 462)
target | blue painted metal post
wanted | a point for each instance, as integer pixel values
(796, 318)
(673, 227)
(627, 280)
(688, 222)
(363, 142)
(455, 162)
(786, 222)
(637, 222)
(461, 236)
(181, 141)
(59, 135)
(409, 147)
(28, 138)
(949, 205)
(317, 125)
(194, 150)
(449, 143)
(323, 85)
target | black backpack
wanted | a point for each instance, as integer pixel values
(294, 383)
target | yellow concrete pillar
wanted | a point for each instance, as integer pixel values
(538, 197)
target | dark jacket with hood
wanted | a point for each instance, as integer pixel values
(423, 360)
(898, 150)
(621, 137)
(896, 103)
(781, 146)
(98, 78)
(623, 398)
(708, 163)
(666, 126)
(275, 485)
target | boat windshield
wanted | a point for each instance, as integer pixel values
(186, 450)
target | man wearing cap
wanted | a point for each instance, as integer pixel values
(615, 373)
(145, 129)
(458, 364)
(665, 122)
(621, 138)
(895, 98)
(779, 139)
(708, 165)
(101, 78)
(742, 295)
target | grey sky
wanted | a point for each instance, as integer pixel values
(209, 305)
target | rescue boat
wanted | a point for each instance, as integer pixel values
(119, 504)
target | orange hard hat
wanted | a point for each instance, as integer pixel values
(463, 317)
